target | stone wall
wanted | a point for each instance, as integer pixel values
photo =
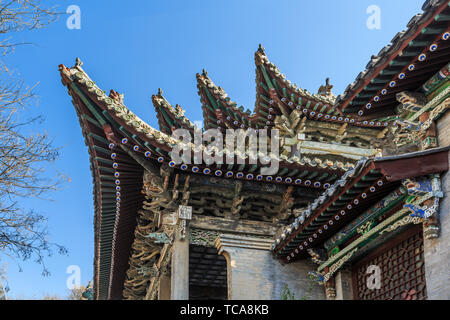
(255, 274)
(437, 251)
(343, 283)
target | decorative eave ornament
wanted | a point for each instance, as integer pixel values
(326, 90)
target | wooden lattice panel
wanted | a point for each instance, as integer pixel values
(402, 266)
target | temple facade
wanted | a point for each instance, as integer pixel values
(357, 207)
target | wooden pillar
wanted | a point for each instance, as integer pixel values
(164, 287)
(330, 289)
(180, 263)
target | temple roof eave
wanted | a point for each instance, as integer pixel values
(397, 65)
(376, 176)
(165, 142)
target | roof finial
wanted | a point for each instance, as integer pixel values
(160, 92)
(326, 89)
(78, 62)
(261, 49)
(204, 72)
(179, 110)
(116, 96)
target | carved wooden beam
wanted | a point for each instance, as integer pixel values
(286, 204)
(237, 201)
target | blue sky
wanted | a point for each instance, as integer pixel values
(138, 46)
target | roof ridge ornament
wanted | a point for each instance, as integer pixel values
(179, 111)
(78, 62)
(116, 96)
(261, 49)
(326, 89)
(429, 3)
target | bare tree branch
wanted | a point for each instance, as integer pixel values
(20, 15)
(24, 155)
